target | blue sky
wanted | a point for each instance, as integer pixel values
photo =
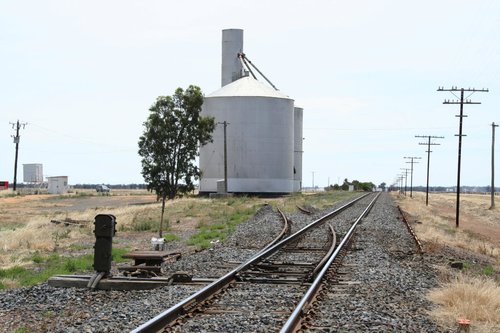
(83, 74)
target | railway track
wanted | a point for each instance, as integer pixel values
(273, 287)
(371, 276)
(380, 285)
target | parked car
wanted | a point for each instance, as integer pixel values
(102, 188)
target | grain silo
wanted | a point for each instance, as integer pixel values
(261, 149)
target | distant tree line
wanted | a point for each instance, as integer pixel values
(358, 186)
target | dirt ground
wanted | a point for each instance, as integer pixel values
(19, 209)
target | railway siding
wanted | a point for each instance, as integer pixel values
(392, 298)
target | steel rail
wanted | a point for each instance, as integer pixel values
(294, 320)
(286, 228)
(161, 320)
(310, 276)
(420, 248)
(303, 210)
(327, 255)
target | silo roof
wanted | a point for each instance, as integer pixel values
(247, 86)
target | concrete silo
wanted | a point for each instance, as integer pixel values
(262, 153)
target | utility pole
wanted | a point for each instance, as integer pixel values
(400, 183)
(411, 173)
(428, 151)
(406, 178)
(463, 100)
(16, 126)
(313, 179)
(225, 123)
(493, 165)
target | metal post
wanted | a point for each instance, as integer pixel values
(225, 123)
(105, 230)
(225, 156)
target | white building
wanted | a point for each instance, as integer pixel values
(33, 173)
(57, 185)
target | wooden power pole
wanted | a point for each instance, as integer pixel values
(412, 158)
(493, 165)
(16, 126)
(428, 151)
(463, 100)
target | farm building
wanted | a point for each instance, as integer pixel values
(57, 185)
(263, 131)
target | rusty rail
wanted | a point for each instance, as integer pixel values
(304, 210)
(282, 234)
(412, 232)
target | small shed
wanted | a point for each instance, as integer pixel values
(57, 185)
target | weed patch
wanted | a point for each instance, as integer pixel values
(474, 298)
(47, 266)
(171, 237)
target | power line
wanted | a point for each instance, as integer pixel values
(463, 100)
(428, 151)
(16, 126)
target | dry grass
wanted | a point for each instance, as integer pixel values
(25, 225)
(472, 295)
(479, 230)
(473, 298)
(36, 236)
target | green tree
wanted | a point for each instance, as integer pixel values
(170, 142)
(345, 185)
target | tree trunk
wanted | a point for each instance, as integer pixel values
(163, 198)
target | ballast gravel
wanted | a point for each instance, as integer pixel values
(382, 282)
